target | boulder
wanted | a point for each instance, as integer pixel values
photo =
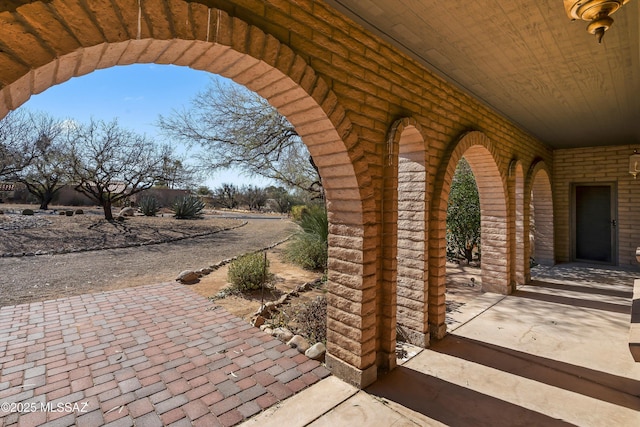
(128, 211)
(283, 334)
(187, 277)
(258, 321)
(316, 351)
(299, 343)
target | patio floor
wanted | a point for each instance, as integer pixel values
(145, 356)
(553, 354)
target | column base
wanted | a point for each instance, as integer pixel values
(350, 374)
(438, 331)
(410, 336)
(386, 361)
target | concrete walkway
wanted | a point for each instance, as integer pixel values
(147, 356)
(554, 353)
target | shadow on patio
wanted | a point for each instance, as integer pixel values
(554, 353)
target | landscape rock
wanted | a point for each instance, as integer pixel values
(258, 321)
(187, 277)
(283, 334)
(128, 211)
(270, 306)
(316, 351)
(299, 343)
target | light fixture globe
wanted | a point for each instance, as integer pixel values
(597, 12)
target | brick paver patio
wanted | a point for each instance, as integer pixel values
(145, 356)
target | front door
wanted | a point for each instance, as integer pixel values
(594, 222)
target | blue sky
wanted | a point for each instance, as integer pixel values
(135, 95)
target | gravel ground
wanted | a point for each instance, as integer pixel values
(37, 278)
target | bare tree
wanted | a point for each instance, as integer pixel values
(109, 163)
(177, 174)
(227, 196)
(46, 174)
(15, 150)
(238, 128)
(255, 197)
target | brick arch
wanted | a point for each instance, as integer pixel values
(404, 296)
(52, 43)
(539, 219)
(483, 157)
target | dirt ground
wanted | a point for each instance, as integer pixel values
(287, 277)
(66, 239)
(48, 231)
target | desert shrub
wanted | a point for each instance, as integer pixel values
(27, 212)
(187, 207)
(149, 206)
(298, 211)
(249, 272)
(309, 248)
(311, 319)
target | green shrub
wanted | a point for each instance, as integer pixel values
(187, 207)
(298, 211)
(249, 272)
(68, 213)
(309, 248)
(307, 251)
(149, 206)
(27, 212)
(79, 212)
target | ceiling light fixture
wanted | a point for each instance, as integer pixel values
(595, 11)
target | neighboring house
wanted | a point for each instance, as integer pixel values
(7, 191)
(164, 196)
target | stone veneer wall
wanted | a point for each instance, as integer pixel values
(593, 165)
(342, 88)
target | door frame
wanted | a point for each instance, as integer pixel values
(614, 217)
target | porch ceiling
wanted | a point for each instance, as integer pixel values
(526, 60)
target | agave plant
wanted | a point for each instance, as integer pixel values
(187, 207)
(149, 206)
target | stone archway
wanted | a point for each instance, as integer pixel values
(482, 156)
(404, 300)
(65, 40)
(539, 201)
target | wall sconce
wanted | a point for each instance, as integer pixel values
(634, 164)
(595, 11)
